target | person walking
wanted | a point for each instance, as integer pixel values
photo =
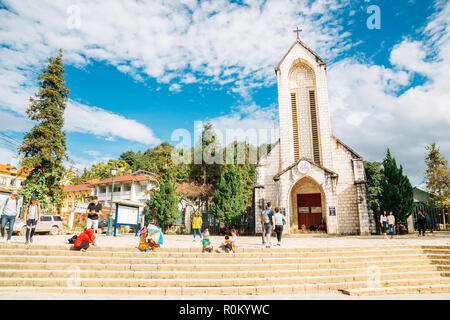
(93, 210)
(10, 212)
(31, 218)
(280, 220)
(268, 224)
(391, 224)
(197, 224)
(383, 222)
(421, 221)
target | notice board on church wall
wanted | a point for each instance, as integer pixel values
(332, 211)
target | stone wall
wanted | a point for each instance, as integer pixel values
(348, 216)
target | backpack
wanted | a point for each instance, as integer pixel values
(6, 203)
(265, 216)
(72, 240)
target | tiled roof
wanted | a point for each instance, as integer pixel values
(79, 187)
(7, 169)
(125, 179)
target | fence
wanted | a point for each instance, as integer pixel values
(433, 217)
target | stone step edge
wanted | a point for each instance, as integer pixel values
(383, 269)
(411, 273)
(385, 290)
(243, 249)
(201, 255)
(374, 263)
(234, 290)
(229, 256)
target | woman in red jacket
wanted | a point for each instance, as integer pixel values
(83, 240)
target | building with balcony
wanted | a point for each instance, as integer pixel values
(11, 179)
(135, 187)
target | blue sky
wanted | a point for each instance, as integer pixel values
(139, 70)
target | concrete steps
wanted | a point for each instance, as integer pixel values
(350, 270)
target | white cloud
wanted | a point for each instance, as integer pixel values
(176, 42)
(93, 120)
(374, 107)
(161, 39)
(9, 121)
(6, 155)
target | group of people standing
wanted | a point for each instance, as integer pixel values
(11, 211)
(387, 222)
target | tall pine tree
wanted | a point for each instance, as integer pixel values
(396, 190)
(165, 201)
(44, 147)
(229, 199)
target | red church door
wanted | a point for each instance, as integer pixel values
(309, 208)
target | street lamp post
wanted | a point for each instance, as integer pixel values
(110, 220)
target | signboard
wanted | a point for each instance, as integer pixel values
(127, 215)
(81, 207)
(304, 167)
(283, 211)
(316, 209)
(332, 211)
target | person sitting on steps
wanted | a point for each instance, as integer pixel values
(83, 240)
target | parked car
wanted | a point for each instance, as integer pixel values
(48, 223)
(102, 226)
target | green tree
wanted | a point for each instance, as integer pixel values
(102, 170)
(128, 157)
(228, 204)
(44, 147)
(165, 201)
(437, 177)
(374, 175)
(397, 192)
(244, 157)
(208, 171)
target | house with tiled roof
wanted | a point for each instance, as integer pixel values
(135, 187)
(11, 179)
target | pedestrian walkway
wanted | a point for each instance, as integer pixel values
(294, 241)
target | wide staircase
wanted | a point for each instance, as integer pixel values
(174, 272)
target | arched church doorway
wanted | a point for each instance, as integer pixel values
(307, 204)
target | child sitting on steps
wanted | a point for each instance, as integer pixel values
(229, 244)
(206, 243)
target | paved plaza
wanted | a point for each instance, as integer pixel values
(289, 241)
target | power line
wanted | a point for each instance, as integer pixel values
(11, 138)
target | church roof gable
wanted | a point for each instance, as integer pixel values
(355, 154)
(299, 42)
(279, 174)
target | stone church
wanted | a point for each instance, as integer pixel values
(309, 173)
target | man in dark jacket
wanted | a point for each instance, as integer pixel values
(421, 221)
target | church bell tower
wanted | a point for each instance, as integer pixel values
(303, 106)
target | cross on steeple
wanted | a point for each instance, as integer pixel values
(298, 32)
